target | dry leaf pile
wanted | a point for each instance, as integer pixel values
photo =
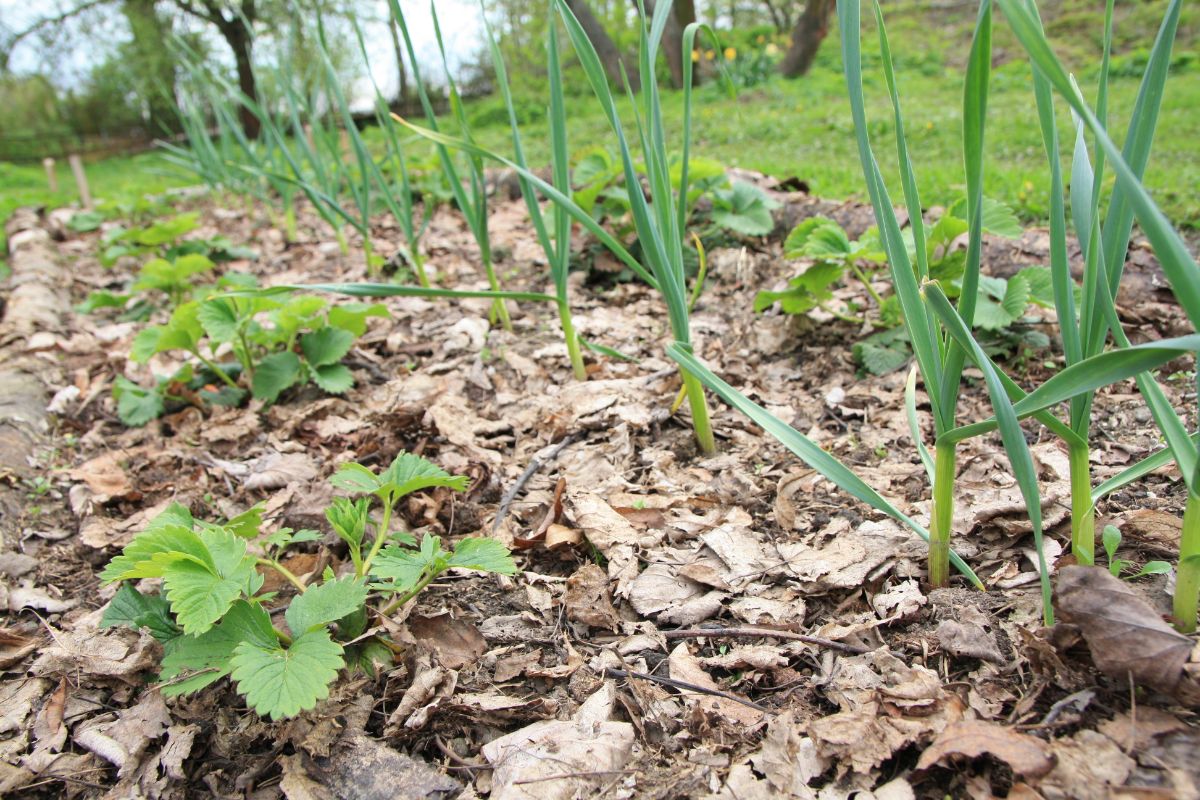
(721, 627)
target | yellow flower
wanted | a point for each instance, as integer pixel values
(1028, 186)
(761, 39)
(772, 49)
(730, 54)
(695, 55)
(709, 55)
(929, 126)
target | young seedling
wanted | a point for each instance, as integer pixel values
(1111, 539)
(213, 619)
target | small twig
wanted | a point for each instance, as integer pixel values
(538, 461)
(593, 774)
(693, 633)
(684, 686)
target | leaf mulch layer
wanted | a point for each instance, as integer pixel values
(729, 626)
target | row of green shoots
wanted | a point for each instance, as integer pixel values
(939, 314)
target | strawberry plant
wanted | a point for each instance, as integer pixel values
(213, 619)
(277, 343)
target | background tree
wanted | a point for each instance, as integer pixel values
(807, 36)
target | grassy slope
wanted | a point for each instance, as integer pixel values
(803, 127)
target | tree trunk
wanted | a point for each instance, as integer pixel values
(810, 30)
(241, 42)
(610, 57)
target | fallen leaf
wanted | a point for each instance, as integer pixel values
(104, 476)
(457, 643)
(588, 601)
(561, 760)
(1123, 632)
(788, 759)
(968, 640)
(660, 592)
(1135, 730)
(277, 470)
(1026, 755)
(26, 596)
(685, 667)
(1089, 767)
(14, 646)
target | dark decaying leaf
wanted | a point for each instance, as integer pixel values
(1027, 755)
(1123, 632)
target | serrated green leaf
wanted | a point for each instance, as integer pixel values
(483, 555)
(325, 603)
(355, 478)
(279, 682)
(273, 374)
(168, 230)
(247, 523)
(333, 378)
(353, 316)
(185, 266)
(136, 610)
(1001, 302)
(249, 622)
(192, 662)
(401, 566)
(817, 237)
(1041, 285)
(326, 346)
(409, 473)
(138, 559)
(880, 359)
(201, 593)
(136, 405)
(806, 291)
(219, 317)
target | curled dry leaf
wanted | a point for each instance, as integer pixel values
(1026, 755)
(966, 639)
(588, 600)
(1123, 632)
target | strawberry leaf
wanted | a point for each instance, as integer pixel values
(325, 603)
(281, 682)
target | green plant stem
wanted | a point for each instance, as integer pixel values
(371, 268)
(284, 639)
(247, 361)
(1083, 511)
(403, 598)
(862, 278)
(1187, 578)
(220, 373)
(499, 310)
(380, 537)
(289, 220)
(568, 327)
(418, 265)
(942, 514)
(699, 405)
(287, 574)
(343, 245)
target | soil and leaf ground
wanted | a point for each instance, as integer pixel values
(729, 626)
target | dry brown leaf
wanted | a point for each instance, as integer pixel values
(1089, 766)
(101, 532)
(277, 470)
(613, 535)
(515, 665)
(561, 760)
(685, 667)
(660, 592)
(788, 759)
(1026, 755)
(1135, 730)
(588, 601)
(104, 476)
(14, 646)
(969, 640)
(1123, 632)
(457, 643)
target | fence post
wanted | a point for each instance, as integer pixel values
(51, 175)
(85, 196)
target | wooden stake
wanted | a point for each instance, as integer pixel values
(51, 175)
(85, 195)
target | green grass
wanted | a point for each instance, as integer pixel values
(802, 128)
(118, 185)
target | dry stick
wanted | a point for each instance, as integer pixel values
(85, 194)
(685, 686)
(51, 175)
(537, 463)
(690, 633)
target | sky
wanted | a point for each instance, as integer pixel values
(68, 65)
